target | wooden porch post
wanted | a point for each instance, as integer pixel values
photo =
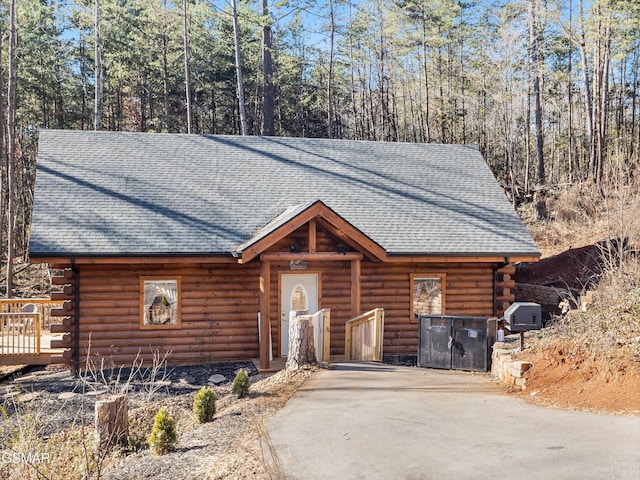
(312, 236)
(265, 313)
(355, 288)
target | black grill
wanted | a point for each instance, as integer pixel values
(522, 317)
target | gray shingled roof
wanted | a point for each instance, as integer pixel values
(114, 193)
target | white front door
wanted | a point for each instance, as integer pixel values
(298, 293)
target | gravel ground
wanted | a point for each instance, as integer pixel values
(61, 409)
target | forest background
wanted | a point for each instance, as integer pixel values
(547, 89)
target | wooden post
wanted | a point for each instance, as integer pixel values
(265, 313)
(355, 288)
(112, 421)
(301, 345)
(312, 235)
(378, 335)
(37, 319)
(326, 322)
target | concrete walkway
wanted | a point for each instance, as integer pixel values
(376, 421)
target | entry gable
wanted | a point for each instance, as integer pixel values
(295, 217)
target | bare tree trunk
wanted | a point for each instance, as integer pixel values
(597, 85)
(602, 54)
(426, 78)
(236, 37)
(527, 142)
(570, 161)
(11, 129)
(634, 102)
(604, 102)
(97, 112)
(187, 69)
(441, 101)
(463, 96)
(268, 94)
(165, 67)
(357, 132)
(83, 77)
(588, 100)
(535, 64)
(332, 29)
(2, 159)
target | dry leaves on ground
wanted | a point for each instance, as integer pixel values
(228, 448)
(50, 411)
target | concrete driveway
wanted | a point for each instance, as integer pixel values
(377, 421)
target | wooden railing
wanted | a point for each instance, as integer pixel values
(20, 333)
(321, 334)
(363, 336)
(42, 306)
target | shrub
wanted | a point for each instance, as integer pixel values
(163, 435)
(204, 404)
(240, 383)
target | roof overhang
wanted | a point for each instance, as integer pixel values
(295, 217)
(463, 258)
(57, 259)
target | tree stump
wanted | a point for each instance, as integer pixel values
(112, 421)
(301, 346)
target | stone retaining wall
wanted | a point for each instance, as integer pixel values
(508, 370)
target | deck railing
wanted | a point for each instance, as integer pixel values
(42, 306)
(363, 336)
(20, 333)
(321, 334)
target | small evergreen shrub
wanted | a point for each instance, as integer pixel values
(137, 439)
(240, 383)
(163, 436)
(204, 404)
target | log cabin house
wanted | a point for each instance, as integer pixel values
(176, 242)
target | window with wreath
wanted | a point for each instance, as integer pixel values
(160, 302)
(428, 295)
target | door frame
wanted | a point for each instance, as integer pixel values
(294, 272)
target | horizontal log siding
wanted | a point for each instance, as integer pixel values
(220, 304)
(469, 291)
(219, 313)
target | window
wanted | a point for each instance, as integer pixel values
(428, 295)
(160, 302)
(299, 299)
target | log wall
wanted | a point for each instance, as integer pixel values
(468, 290)
(220, 304)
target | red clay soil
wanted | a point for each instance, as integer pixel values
(595, 383)
(573, 268)
(565, 372)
